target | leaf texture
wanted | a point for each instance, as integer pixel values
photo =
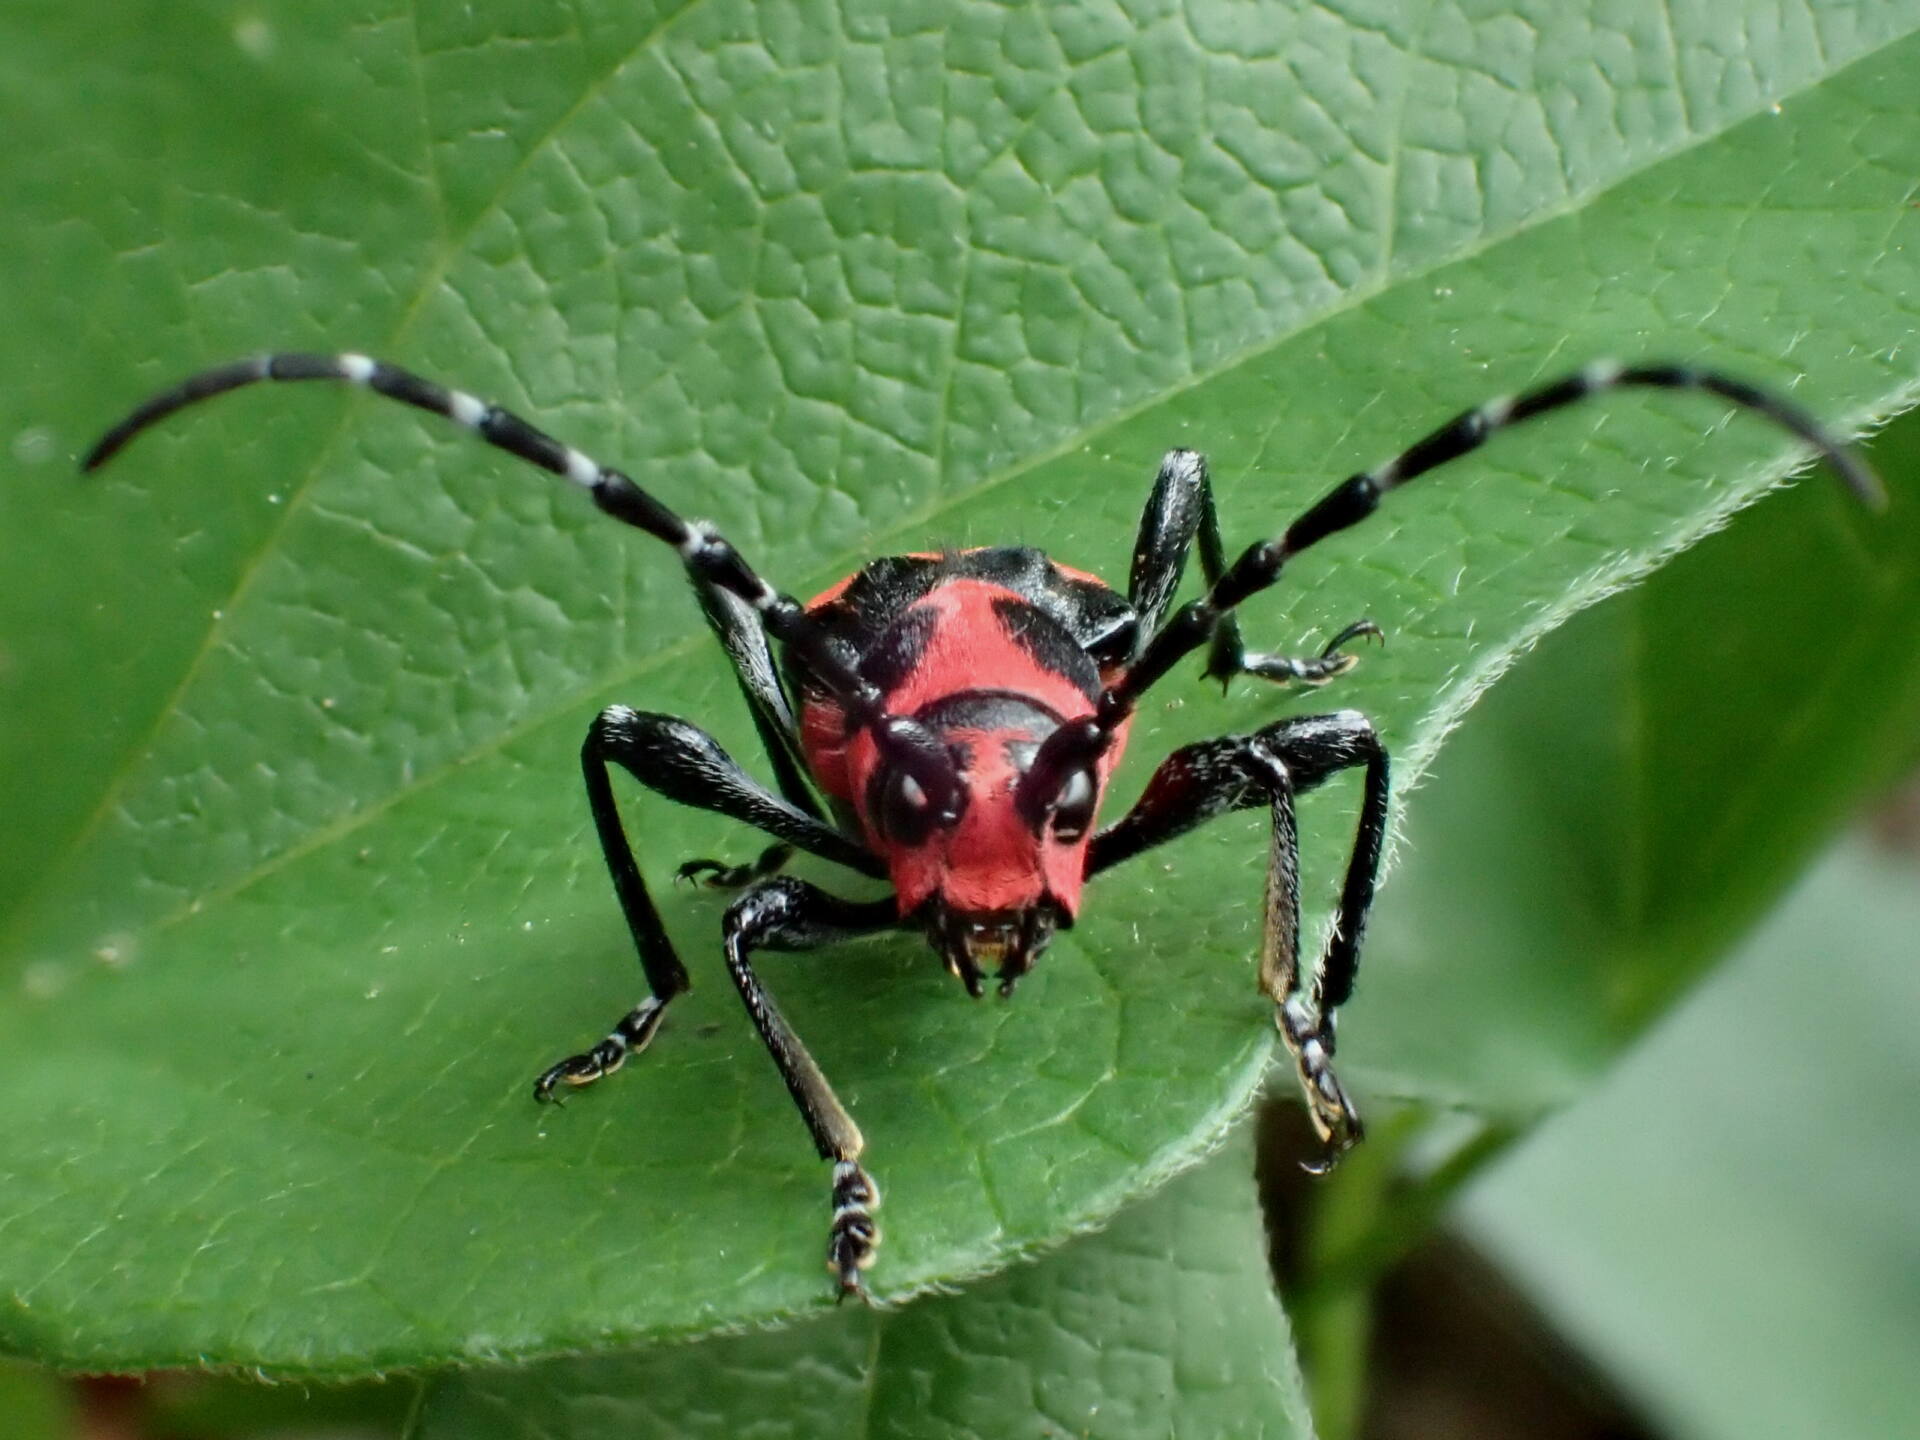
(300, 893)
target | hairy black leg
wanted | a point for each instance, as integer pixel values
(683, 763)
(677, 759)
(1305, 1006)
(788, 914)
(737, 626)
(1180, 510)
(717, 875)
(1272, 766)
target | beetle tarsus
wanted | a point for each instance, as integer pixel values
(1334, 1117)
(718, 875)
(1228, 657)
(632, 1035)
(853, 1238)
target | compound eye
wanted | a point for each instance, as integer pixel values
(1073, 806)
(906, 814)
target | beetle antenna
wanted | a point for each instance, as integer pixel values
(709, 557)
(1356, 498)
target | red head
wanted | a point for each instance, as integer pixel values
(994, 866)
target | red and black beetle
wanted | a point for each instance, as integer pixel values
(949, 721)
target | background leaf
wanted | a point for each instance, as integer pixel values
(34, 1404)
(1164, 1325)
(1726, 1225)
(1734, 1191)
(300, 894)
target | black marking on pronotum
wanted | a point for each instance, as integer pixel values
(986, 870)
(1051, 647)
(898, 651)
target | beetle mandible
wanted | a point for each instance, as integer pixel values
(948, 722)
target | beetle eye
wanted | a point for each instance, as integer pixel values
(905, 812)
(1073, 806)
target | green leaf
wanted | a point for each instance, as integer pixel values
(1726, 1226)
(300, 892)
(1165, 1325)
(34, 1404)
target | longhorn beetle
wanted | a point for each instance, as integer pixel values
(948, 722)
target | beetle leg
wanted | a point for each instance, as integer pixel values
(683, 763)
(1179, 511)
(737, 626)
(1228, 657)
(1305, 1005)
(714, 875)
(788, 914)
(1273, 765)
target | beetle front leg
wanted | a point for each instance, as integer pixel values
(1300, 1012)
(1304, 752)
(682, 762)
(788, 914)
(1238, 772)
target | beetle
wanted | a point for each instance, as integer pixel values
(949, 721)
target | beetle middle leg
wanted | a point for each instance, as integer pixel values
(1179, 511)
(743, 638)
(1271, 766)
(738, 628)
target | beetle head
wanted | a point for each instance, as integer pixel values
(992, 863)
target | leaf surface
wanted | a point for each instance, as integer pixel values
(300, 891)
